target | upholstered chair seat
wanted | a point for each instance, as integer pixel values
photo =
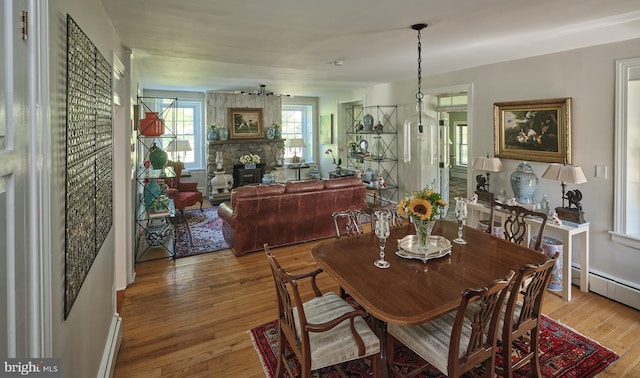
(335, 345)
(322, 331)
(459, 340)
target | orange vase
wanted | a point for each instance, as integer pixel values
(151, 124)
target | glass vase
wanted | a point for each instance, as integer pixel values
(423, 231)
(377, 149)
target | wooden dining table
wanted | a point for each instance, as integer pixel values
(412, 291)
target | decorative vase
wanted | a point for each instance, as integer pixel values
(338, 170)
(151, 192)
(423, 231)
(157, 157)
(270, 133)
(524, 183)
(219, 161)
(223, 133)
(268, 179)
(377, 149)
(151, 124)
(369, 174)
(213, 134)
(250, 166)
(157, 232)
(277, 133)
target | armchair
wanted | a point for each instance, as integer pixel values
(183, 194)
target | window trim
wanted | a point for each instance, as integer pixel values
(620, 233)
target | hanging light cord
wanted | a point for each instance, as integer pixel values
(419, 94)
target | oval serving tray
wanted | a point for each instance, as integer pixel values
(438, 247)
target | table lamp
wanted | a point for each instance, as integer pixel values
(568, 174)
(295, 144)
(488, 165)
(178, 146)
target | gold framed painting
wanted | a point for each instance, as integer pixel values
(535, 130)
(245, 123)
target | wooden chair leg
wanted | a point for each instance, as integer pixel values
(281, 357)
(506, 359)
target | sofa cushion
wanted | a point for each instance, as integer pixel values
(303, 186)
(258, 190)
(342, 182)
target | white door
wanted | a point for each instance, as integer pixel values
(21, 301)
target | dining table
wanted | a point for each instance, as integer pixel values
(414, 291)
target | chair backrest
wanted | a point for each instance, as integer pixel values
(514, 227)
(482, 309)
(523, 308)
(288, 300)
(350, 220)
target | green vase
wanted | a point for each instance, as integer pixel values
(157, 157)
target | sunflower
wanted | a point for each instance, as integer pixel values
(421, 208)
(401, 207)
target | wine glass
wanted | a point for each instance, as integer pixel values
(382, 232)
(460, 213)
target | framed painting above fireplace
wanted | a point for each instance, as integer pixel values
(245, 123)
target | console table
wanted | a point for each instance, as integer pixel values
(567, 233)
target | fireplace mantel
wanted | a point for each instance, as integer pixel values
(247, 140)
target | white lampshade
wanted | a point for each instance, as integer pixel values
(565, 173)
(179, 145)
(296, 143)
(488, 164)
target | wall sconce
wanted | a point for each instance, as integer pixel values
(568, 174)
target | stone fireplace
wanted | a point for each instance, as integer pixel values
(232, 149)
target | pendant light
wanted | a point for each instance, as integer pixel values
(419, 94)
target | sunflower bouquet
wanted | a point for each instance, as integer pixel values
(423, 205)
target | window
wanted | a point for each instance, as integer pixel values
(297, 123)
(462, 143)
(187, 125)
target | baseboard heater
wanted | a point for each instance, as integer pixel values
(108, 362)
(609, 286)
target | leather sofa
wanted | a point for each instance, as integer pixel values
(281, 214)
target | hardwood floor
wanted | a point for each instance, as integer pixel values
(190, 317)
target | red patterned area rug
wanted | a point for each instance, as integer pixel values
(565, 353)
(206, 232)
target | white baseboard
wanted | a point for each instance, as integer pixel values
(608, 287)
(108, 363)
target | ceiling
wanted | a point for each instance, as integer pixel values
(227, 45)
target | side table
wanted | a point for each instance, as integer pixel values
(298, 167)
(567, 232)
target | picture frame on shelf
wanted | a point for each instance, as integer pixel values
(534, 130)
(245, 123)
(326, 129)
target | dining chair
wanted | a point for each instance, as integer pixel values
(350, 220)
(460, 340)
(520, 324)
(322, 331)
(514, 227)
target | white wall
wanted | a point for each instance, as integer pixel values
(80, 339)
(587, 75)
